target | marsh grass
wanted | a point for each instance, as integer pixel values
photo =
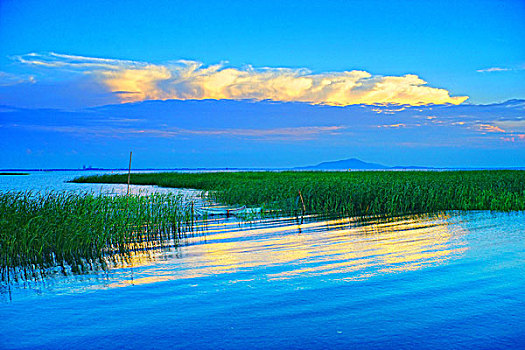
(350, 193)
(74, 231)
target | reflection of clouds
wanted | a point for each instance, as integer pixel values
(138, 81)
(341, 249)
(386, 247)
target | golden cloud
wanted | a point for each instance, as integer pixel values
(137, 81)
(489, 128)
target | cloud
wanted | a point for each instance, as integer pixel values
(493, 69)
(400, 125)
(489, 128)
(136, 81)
(501, 69)
(504, 126)
(7, 79)
(291, 133)
(166, 133)
(513, 125)
(514, 138)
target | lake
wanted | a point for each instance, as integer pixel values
(449, 280)
(57, 181)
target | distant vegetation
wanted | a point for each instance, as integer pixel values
(14, 174)
(350, 193)
(58, 229)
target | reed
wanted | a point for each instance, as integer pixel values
(39, 230)
(350, 193)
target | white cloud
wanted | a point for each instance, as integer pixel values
(493, 69)
(137, 81)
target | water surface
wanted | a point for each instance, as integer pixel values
(49, 181)
(452, 280)
(57, 180)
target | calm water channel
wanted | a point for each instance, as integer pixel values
(451, 280)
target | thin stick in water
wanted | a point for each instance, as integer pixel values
(129, 170)
(304, 208)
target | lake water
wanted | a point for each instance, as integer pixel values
(451, 280)
(57, 181)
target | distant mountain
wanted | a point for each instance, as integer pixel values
(357, 164)
(352, 163)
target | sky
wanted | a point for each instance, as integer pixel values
(261, 83)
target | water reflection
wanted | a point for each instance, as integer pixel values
(340, 249)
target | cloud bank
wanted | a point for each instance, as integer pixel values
(229, 133)
(136, 81)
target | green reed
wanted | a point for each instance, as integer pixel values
(38, 230)
(350, 193)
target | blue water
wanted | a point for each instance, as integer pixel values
(447, 281)
(42, 181)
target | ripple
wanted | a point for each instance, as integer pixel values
(452, 280)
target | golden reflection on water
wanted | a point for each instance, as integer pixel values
(280, 249)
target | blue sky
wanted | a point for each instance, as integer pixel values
(75, 55)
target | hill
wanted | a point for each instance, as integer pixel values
(352, 163)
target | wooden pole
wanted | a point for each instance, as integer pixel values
(304, 208)
(129, 171)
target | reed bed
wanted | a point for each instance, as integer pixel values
(40, 230)
(350, 193)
